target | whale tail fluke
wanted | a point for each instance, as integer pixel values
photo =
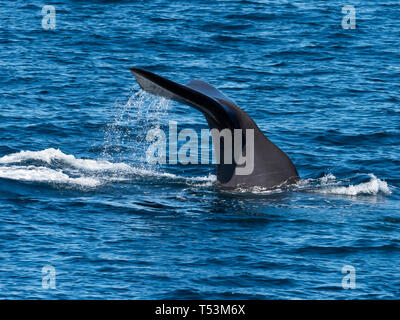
(271, 166)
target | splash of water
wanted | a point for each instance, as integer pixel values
(125, 138)
(124, 152)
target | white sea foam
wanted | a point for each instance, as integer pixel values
(75, 171)
(372, 187)
(328, 184)
(328, 178)
(51, 155)
(43, 174)
(93, 173)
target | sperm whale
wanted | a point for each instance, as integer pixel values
(272, 167)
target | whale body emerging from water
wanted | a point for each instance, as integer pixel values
(271, 166)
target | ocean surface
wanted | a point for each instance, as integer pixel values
(77, 194)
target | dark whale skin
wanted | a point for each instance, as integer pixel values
(272, 167)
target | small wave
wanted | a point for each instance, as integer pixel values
(372, 187)
(51, 155)
(328, 184)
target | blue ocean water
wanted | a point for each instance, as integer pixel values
(76, 192)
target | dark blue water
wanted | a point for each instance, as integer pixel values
(83, 199)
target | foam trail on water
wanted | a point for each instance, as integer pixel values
(67, 169)
(43, 174)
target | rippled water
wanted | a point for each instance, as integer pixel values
(76, 191)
